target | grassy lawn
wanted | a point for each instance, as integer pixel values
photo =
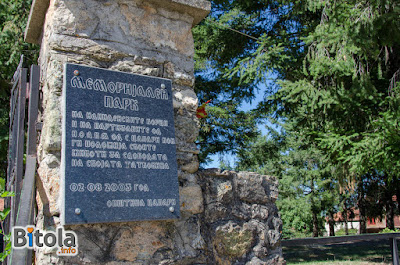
(361, 253)
(342, 232)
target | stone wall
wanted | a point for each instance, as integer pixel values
(226, 217)
(240, 222)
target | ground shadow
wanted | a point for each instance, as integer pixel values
(371, 251)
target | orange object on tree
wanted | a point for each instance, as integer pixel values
(201, 111)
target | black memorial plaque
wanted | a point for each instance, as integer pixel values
(118, 149)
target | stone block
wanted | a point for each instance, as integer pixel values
(187, 238)
(255, 188)
(194, 11)
(233, 241)
(188, 162)
(140, 242)
(191, 198)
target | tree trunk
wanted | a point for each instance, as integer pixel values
(345, 216)
(390, 214)
(315, 224)
(314, 212)
(398, 191)
(398, 195)
(388, 193)
(363, 219)
(331, 223)
(362, 208)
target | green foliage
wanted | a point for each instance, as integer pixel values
(343, 96)
(6, 237)
(337, 70)
(387, 230)
(13, 20)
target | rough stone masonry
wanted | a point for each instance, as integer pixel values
(227, 217)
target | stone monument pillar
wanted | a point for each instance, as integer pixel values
(144, 37)
(225, 217)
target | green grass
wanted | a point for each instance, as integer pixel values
(361, 253)
(341, 232)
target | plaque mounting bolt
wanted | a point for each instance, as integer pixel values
(171, 209)
(162, 86)
(77, 211)
(76, 72)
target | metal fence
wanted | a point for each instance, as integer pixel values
(22, 165)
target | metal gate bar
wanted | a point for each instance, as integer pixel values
(23, 203)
